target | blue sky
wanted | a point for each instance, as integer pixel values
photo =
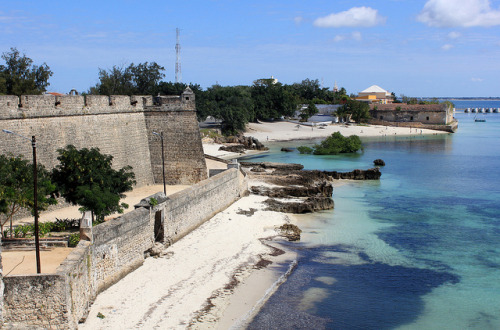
(410, 47)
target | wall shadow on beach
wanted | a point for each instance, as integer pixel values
(370, 295)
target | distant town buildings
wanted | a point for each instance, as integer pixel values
(375, 94)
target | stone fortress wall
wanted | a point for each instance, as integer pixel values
(431, 116)
(61, 300)
(121, 126)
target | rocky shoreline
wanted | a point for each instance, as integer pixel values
(291, 189)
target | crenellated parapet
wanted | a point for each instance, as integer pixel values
(37, 106)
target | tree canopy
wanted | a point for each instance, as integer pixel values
(85, 177)
(335, 144)
(16, 188)
(19, 76)
(359, 111)
(140, 79)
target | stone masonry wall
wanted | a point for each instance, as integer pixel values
(184, 160)
(118, 125)
(433, 114)
(80, 289)
(61, 300)
(121, 135)
(119, 247)
(39, 300)
(189, 208)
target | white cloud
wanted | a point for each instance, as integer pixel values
(354, 17)
(454, 35)
(353, 36)
(298, 19)
(476, 79)
(446, 47)
(464, 13)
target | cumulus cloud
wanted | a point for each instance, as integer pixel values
(476, 79)
(454, 35)
(464, 13)
(352, 36)
(446, 47)
(354, 17)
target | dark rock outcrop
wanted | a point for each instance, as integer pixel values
(239, 148)
(275, 166)
(287, 149)
(378, 162)
(311, 204)
(323, 189)
(369, 174)
(290, 232)
(248, 142)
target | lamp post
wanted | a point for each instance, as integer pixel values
(35, 197)
(162, 161)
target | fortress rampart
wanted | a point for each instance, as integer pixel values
(60, 300)
(121, 126)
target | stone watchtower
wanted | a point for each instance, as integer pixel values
(175, 117)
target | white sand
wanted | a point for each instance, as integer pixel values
(172, 291)
(285, 131)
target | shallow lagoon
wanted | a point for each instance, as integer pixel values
(419, 249)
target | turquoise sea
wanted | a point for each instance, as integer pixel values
(419, 249)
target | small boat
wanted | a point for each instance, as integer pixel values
(479, 120)
(467, 110)
(495, 110)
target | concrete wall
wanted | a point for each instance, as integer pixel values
(61, 300)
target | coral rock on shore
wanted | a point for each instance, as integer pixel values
(311, 204)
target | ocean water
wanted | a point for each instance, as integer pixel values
(419, 249)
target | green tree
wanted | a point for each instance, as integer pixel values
(233, 105)
(311, 110)
(359, 111)
(140, 79)
(145, 77)
(273, 101)
(16, 188)
(19, 76)
(335, 144)
(85, 177)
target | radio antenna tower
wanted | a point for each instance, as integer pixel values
(178, 74)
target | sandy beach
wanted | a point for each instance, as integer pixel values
(286, 131)
(192, 284)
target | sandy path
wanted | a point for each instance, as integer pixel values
(167, 292)
(23, 262)
(132, 197)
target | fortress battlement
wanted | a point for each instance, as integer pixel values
(119, 125)
(38, 106)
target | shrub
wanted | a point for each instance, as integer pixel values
(73, 239)
(305, 150)
(337, 143)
